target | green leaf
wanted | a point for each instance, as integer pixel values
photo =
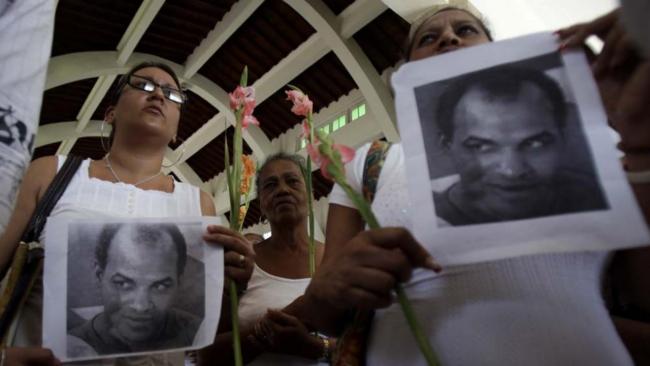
(243, 81)
(295, 88)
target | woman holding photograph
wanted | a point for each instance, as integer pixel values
(622, 71)
(281, 274)
(128, 182)
(534, 310)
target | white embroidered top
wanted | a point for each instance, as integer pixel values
(534, 310)
(87, 197)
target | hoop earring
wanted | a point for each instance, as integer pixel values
(101, 137)
(177, 160)
(179, 157)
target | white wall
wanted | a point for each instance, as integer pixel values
(510, 18)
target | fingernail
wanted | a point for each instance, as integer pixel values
(432, 265)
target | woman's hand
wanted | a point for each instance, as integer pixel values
(631, 118)
(618, 48)
(364, 271)
(623, 79)
(286, 334)
(239, 256)
(29, 356)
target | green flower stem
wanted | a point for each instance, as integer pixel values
(310, 206)
(367, 214)
(234, 304)
(233, 173)
(411, 318)
(312, 246)
(234, 178)
(359, 202)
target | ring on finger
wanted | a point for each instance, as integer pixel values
(242, 260)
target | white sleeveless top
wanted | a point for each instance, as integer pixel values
(535, 310)
(267, 291)
(87, 197)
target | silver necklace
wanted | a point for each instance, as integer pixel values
(110, 167)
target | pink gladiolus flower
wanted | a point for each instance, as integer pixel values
(237, 98)
(322, 160)
(302, 106)
(249, 106)
(249, 119)
(314, 154)
(306, 129)
(242, 97)
(347, 153)
(324, 171)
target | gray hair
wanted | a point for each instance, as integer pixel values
(298, 160)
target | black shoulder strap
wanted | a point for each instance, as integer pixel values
(50, 198)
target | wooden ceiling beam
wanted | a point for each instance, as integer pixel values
(376, 93)
(237, 15)
(140, 23)
(353, 18)
(358, 15)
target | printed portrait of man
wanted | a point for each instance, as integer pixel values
(139, 268)
(505, 131)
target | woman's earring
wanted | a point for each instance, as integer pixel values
(101, 136)
(179, 156)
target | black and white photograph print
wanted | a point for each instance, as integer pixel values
(508, 145)
(133, 287)
(508, 153)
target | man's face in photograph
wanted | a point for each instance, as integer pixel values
(507, 150)
(138, 285)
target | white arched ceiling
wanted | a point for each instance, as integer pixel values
(353, 18)
(376, 93)
(239, 12)
(139, 24)
(107, 64)
(531, 15)
(538, 15)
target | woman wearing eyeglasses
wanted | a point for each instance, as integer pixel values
(127, 182)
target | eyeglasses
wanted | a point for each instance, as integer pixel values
(149, 86)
